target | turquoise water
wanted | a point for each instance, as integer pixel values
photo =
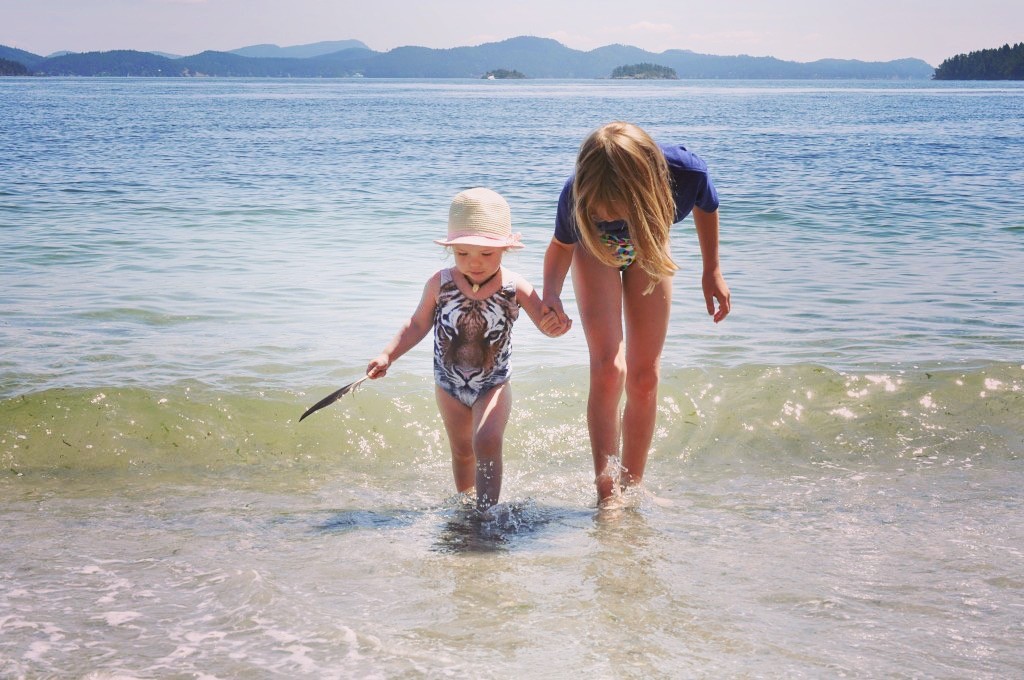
(188, 265)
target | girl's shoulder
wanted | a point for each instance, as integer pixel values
(438, 279)
(681, 159)
(514, 280)
(508, 276)
(445, 275)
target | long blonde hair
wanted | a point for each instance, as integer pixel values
(620, 164)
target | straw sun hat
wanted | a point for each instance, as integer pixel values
(480, 217)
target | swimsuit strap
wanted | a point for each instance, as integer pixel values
(510, 284)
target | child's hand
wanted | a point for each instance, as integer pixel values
(552, 325)
(553, 305)
(378, 368)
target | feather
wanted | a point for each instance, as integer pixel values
(334, 396)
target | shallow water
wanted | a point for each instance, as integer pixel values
(834, 488)
(797, 522)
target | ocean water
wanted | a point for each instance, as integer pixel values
(835, 485)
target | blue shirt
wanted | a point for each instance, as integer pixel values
(688, 177)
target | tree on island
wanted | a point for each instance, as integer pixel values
(12, 68)
(1004, 63)
(645, 72)
(504, 74)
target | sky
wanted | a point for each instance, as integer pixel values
(793, 30)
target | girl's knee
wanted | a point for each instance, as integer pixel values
(607, 374)
(463, 456)
(642, 383)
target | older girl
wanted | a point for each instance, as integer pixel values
(612, 228)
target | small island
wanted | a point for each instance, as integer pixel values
(644, 72)
(503, 74)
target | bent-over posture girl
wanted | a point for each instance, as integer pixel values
(612, 228)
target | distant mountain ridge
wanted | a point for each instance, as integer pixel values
(535, 57)
(317, 49)
(26, 59)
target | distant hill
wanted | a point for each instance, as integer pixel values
(220, 64)
(1004, 63)
(12, 68)
(26, 59)
(299, 51)
(538, 57)
(115, 63)
(224, 64)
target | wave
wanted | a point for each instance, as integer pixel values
(754, 418)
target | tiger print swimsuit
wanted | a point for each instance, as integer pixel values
(473, 339)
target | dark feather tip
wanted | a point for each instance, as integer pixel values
(331, 398)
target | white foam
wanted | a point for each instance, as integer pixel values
(117, 618)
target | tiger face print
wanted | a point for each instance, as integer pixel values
(473, 341)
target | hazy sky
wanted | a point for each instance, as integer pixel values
(798, 30)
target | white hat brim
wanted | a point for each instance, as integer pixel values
(478, 240)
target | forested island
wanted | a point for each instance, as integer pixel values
(644, 72)
(504, 74)
(1003, 63)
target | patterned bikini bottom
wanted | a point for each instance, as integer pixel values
(622, 249)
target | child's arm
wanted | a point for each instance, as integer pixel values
(550, 324)
(412, 331)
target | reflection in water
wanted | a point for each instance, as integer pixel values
(631, 595)
(469, 532)
(352, 520)
(500, 528)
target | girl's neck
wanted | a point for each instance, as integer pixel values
(475, 286)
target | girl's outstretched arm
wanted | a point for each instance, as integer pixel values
(411, 332)
(715, 287)
(547, 320)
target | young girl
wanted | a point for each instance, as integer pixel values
(471, 308)
(612, 227)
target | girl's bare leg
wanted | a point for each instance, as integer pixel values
(646, 319)
(490, 416)
(458, 423)
(599, 296)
